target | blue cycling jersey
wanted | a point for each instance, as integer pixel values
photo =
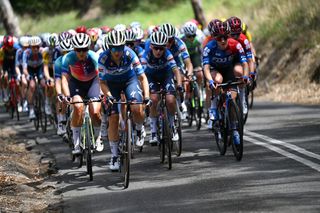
(80, 70)
(157, 66)
(138, 50)
(58, 67)
(221, 59)
(128, 67)
(19, 57)
(32, 60)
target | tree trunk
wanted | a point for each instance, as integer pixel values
(198, 12)
(9, 20)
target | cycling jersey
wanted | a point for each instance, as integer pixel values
(7, 60)
(80, 70)
(246, 45)
(129, 66)
(207, 40)
(50, 55)
(138, 50)
(158, 66)
(31, 60)
(194, 47)
(58, 67)
(19, 57)
(221, 59)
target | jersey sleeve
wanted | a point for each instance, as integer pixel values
(241, 53)
(65, 64)
(171, 63)
(183, 50)
(45, 56)
(135, 62)
(57, 68)
(206, 55)
(101, 67)
(25, 59)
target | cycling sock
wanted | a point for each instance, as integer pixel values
(76, 136)
(59, 117)
(114, 148)
(139, 127)
(153, 124)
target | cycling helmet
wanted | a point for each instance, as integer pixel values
(24, 41)
(130, 35)
(116, 38)
(81, 29)
(218, 27)
(35, 41)
(93, 34)
(244, 27)
(105, 29)
(120, 27)
(190, 29)
(135, 24)
(72, 31)
(53, 40)
(139, 33)
(235, 24)
(81, 40)
(65, 35)
(66, 45)
(104, 43)
(8, 41)
(159, 38)
(168, 29)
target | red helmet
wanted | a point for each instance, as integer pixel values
(8, 41)
(235, 24)
(81, 29)
(105, 29)
(217, 27)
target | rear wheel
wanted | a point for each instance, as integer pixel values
(88, 143)
(220, 133)
(177, 123)
(167, 137)
(126, 154)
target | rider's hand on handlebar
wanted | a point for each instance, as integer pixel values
(147, 101)
(109, 100)
(60, 97)
(245, 79)
(212, 85)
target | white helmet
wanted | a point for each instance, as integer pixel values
(168, 29)
(190, 29)
(130, 35)
(104, 43)
(24, 41)
(159, 38)
(139, 33)
(135, 24)
(120, 27)
(116, 38)
(35, 41)
(81, 40)
(66, 45)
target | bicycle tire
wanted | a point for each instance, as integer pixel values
(190, 112)
(177, 123)
(126, 154)
(198, 110)
(250, 98)
(222, 140)
(37, 110)
(233, 110)
(245, 116)
(160, 133)
(87, 146)
(167, 137)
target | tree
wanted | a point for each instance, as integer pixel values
(9, 20)
(198, 12)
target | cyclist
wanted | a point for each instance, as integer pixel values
(130, 42)
(65, 46)
(178, 49)
(50, 55)
(236, 33)
(24, 43)
(139, 41)
(120, 70)
(223, 59)
(32, 63)
(94, 36)
(160, 67)
(80, 80)
(7, 64)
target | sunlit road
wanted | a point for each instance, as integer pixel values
(279, 172)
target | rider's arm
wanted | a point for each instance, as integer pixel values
(105, 88)
(65, 84)
(145, 85)
(189, 66)
(25, 63)
(176, 72)
(45, 56)
(206, 63)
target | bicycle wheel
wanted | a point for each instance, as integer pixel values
(197, 105)
(250, 97)
(235, 116)
(167, 137)
(88, 143)
(190, 108)
(160, 133)
(126, 154)
(220, 133)
(37, 111)
(245, 115)
(177, 124)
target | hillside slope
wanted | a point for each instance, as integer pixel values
(288, 36)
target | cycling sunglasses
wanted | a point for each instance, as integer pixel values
(158, 48)
(130, 44)
(81, 50)
(117, 48)
(235, 35)
(220, 38)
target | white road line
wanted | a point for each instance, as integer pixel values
(288, 145)
(306, 162)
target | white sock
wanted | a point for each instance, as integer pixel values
(114, 148)
(153, 124)
(76, 136)
(139, 127)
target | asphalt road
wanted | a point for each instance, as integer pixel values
(279, 172)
